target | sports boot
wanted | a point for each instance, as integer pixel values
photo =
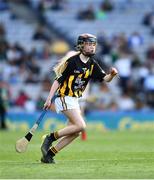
(46, 145)
(47, 159)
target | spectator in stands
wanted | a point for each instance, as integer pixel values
(141, 72)
(135, 40)
(147, 18)
(3, 50)
(125, 102)
(40, 103)
(140, 103)
(19, 47)
(105, 46)
(33, 53)
(57, 4)
(103, 98)
(32, 65)
(14, 55)
(32, 78)
(123, 64)
(30, 105)
(4, 97)
(39, 9)
(22, 72)
(106, 6)
(46, 83)
(149, 87)
(3, 43)
(87, 14)
(150, 53)
(41, 34)
(2, 32)
(21, 99)
(120, 42)
(113, 106)
(11, 73)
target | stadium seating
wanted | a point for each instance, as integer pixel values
(114, 22)
(126, 17)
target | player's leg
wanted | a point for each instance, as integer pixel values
(76, 120)
(76, 123)
(64, 141)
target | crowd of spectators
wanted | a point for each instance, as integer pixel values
(136, 73)
(134, 89)
(91, 14)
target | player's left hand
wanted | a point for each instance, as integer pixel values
(113, 71)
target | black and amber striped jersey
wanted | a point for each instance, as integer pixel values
(76, 76)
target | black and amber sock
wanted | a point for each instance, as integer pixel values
(54, 136)
(52, 151)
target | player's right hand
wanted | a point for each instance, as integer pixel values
(47, 104)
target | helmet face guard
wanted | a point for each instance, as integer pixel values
(85, 38)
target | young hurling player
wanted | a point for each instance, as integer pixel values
(73, 74)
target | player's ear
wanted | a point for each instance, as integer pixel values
(79, 47)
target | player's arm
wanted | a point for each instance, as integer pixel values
(67, 71)
(53, 89)
(100, 75)
(111, 75)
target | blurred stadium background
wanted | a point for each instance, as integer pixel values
(34, 35)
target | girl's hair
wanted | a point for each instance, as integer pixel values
(60, 67)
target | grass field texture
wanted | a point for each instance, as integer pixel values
(104, 155)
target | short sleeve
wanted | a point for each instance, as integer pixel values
(98, 73)
(67, 71)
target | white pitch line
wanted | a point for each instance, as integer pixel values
(73, 160)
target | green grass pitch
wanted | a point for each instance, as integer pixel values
(105, 155)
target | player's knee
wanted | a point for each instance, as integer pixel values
(82, 127)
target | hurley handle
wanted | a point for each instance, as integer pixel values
(41, 117)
